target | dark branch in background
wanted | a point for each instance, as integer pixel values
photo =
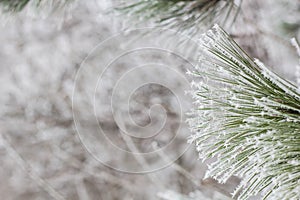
(13, 5)
(187, 15)
(19, 5)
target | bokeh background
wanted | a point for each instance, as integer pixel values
(50, 149)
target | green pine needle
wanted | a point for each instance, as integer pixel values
(19, 5)
(13, 5)
(187, 15)
(248, 118)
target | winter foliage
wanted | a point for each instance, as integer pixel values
(188, 16)
(246, 117)
(18, 5)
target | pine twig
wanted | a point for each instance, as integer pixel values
(248, 118)
(19, 5)
(188, 16)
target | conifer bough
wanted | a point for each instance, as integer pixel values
(186, 15)
(14, 5)
(246, 117)
(18, 5)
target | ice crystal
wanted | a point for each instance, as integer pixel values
(296, 45)
(248, 118)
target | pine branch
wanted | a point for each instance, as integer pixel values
(14, 5)
(248, 118)
(187, 15)
(19, 5)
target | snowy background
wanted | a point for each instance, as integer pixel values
(133, 94)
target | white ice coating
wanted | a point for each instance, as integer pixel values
(251, 134)
(296, 45)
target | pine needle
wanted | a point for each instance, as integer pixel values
(19, 5)
(186, 15)
(248, 118)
